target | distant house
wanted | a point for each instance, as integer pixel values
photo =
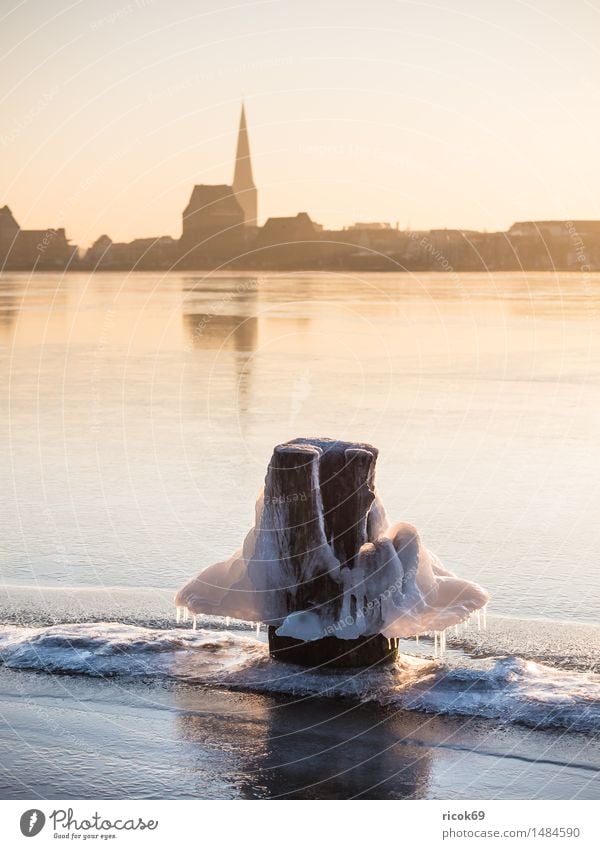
(29, 249)
(280, 231)
(9, 230)
(153, 252)
(149, 253)
(554, 229)
(104, 253)
(8, 225)
(546, 245)
(288, 241)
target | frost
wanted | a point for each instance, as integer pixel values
(322, 559)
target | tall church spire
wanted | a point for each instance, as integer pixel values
(243, 183)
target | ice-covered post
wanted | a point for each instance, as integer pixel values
(334, 582)
(317, 501)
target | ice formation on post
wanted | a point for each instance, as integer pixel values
(322, 560)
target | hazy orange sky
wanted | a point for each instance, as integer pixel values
(458, 114)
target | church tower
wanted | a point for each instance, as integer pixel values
(243, 183)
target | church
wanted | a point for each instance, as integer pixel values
(220, 220)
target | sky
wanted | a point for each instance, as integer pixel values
(467, 113)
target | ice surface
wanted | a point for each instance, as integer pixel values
(109, 648)
(513, 690)
(322, 559)
(509, 688)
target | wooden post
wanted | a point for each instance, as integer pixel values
(317, 498)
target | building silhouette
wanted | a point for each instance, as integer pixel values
(288, 242)
(213, 225)
(29, 249)
(151, 253)
(243, 181)
(220, 230)
(220, 220)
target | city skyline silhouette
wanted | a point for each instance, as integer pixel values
(457, 117)
(220, 229)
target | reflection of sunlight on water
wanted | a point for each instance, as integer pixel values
(323, 750)
(311, 748)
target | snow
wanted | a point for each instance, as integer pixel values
(303, 622)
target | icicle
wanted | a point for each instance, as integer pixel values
(194, 623)
(435, 643)
(178, 615)
(478, 621)
(227, 621)
(186, 614)
(258, 629)
(484, 616)
(389, 643)
(417, 639)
